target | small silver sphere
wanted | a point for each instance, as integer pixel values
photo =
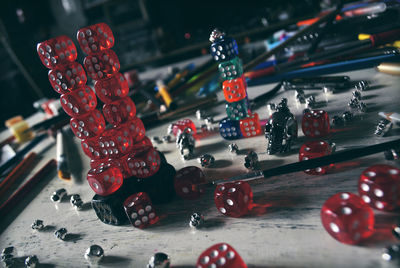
(94, 254)
(61, 233)
(31, 261)
(159, 260)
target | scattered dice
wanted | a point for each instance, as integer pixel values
(230, 129)
(94, 254)
(347, 218)
(61, 233)
(383, 127)
(196, 220)
(76, 201)
(233, 148)
(251, 160)
(37, 225)
(315, 123)
(58, 195)
(186, 181)
(140, 210)
(233, 199)
(206, 160)
(379, 186)
(221, 255)
(392, 253)
(159, 260)
(181, 125)
(31, 261)
(313, 149)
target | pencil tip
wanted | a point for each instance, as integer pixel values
(64, 175)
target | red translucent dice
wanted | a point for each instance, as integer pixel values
(112, 89)
(114, 144)
(347, 218)
(250, 126)
(315, 123)
(140, 210)
(56, 51)
(181, 125)
(233, 199)
(105, 179)
(119, 111)
(67, 77)
(95, 38)
(143, 162)
(220, 255)
(188, 182)
(102, 65)
(134, 128)
(89, 125)
(79, 102)
(145, 142)
(235, 89)
(313, 149)
(92, 148)
(379, 186)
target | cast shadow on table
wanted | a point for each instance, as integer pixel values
(71, 237)
(19, 262)
(208, 148)
(382, 235)
(74, 159)
(110, 260)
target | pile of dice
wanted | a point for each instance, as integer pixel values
(123, 160)
(241, 122)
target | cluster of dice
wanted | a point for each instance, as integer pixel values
(240, 121)
(121, 156)
(9, 257)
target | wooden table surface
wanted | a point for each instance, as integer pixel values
(283, 231)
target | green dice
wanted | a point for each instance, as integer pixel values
(237, 110)
(231, 69)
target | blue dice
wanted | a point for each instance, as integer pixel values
(230, 129)
(224, 49)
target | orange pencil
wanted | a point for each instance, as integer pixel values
(17, 172)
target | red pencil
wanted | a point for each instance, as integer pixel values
(24, 190)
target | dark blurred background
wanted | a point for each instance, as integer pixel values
(148, 33)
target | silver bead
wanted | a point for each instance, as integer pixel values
(356, 94)
(167, 138)
(251, 160)
(206, 160)
(391, 253)
(58, 195)
(233, 148)
(31, 261)
(156, 140)
(362, 107)
(61, 233)
(94, 254)
(8, 253)
(362, 85)
(37, 225)
(159, 260)
(76, 201)
(196, 220)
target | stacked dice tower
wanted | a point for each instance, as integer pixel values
(127, 173)
(241, 122)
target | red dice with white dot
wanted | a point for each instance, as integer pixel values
(92, 148)
(313, 149)
(347, 218)
(233, 199)
(315, 123)
(143, 162)
(220, 255)
(250, 126)
(89, 125)
(140, 210)
(379, 186)
(56, 51)
(112, 89)
(101, 65)
(79, 102)
(119, 111)
(181, 125)
(105, 179)
(235, 89)
(145, 142)
(67, 77)
(134, 128)
(95, 38)
(114, 144)
(188, 182)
